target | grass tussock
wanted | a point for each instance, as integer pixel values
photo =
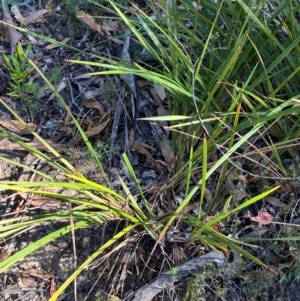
(230, 72)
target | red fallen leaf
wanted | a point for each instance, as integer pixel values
(262, 217)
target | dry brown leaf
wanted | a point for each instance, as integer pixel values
(265, 273)
(213, 157)
(274, 201)
(35, 17)
(155, 96)
(36, 143)
(146, 146)
(68, 120)
(162, 163)
(4, 33)
(142, 83)
(33, 40)
(18, 127)
(160, 110)
(9, 33)
(110, 25)
(52, 286)
(160, 90)
(53, 46)
(197, 6)
(42, 202)
(10, 102)
(97, 129)
(131, 137)
(36, 273)
(138, 147)
(207, 195)
(44, 92)
(17, 15)
(89, 20)
(117, 41)
(166, 150)
(94, 105)
(243, 179)
(274, 257)
(26, 281)
(59, 88)
(252, 180)
(82, 76)
(88, 94)
(20, 206)
(5, 144)
(3, 256)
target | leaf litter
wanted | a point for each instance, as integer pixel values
(90, 114)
